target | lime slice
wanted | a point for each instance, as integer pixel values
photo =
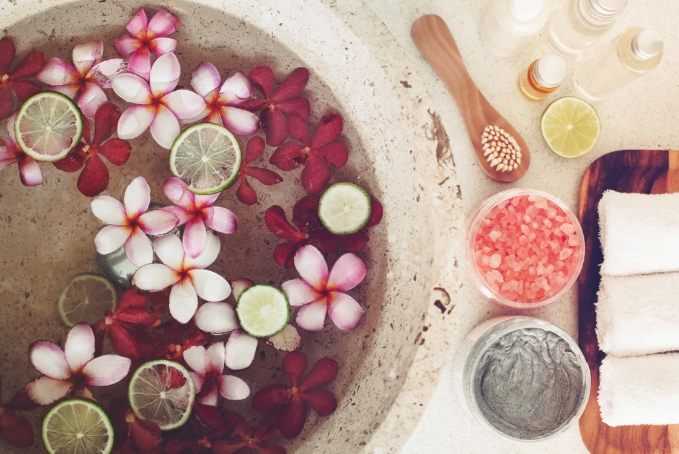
(162, 391)
(263, 310)
(85, 299)
(207, 157)
(48, 126)
(570, 126)
(344, 208)
(77, 426)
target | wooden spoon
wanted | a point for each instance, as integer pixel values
(433, 38)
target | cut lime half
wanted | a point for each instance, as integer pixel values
(48, 126)
(570, 126)
(163, 392)
(85, 299)
(344, 208)
(207, 157)
(77, 426)
(263, 310)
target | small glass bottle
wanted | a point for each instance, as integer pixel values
(543, 76)
(581, 23)
(625, 59)
(511, 24)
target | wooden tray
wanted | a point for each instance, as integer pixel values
(638, 171)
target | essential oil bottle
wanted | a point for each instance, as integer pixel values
(542, 77)
(510, 24)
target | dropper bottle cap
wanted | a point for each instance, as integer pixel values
(550, 70)
(525, 10)
(647, 44)
(608, 7)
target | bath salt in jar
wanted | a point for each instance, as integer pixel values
(525, 248)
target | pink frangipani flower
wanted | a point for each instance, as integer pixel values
(208, 368)
(73, 368)
(156, 105)
(87, 79)
(222, 102)
(11, 153)
(185, 274)
(197, 212)
(147, 37)
(129, 223)
(319, 292)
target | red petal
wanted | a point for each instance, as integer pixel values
(117, 151)
(292, 419)
(376, 214)
(294, 364)
(253, 150)
(73, 161)
(298, 129)
(16, 431)
(284, 254)
(6, 102)
(21, 401)
(271, 450)
(136, 317)
(178, 446)
(24, 89)
(241, 425)
(105, 123)
(29, 66)
(271, 398)
(7, 53)
(99, 328)
(245, 193)
(227, 447)
(160, 301)
(132, 299)
(118, 409)
(335, 154)
(323, 372)
(252, 105)
(315, 175)
(324, 241)
(266, 430)
(273, 124)
(305, 212)
(288, 156)
(209, 416)
(264, 176)
(356, 241)
(293, 86)
(209, 385)
(177, 380)
(323, 402)
(94, 177)
(123, 342)
(87, 133)
(146, 435)
(295, 106)
(262, 78)
(278, 224)
(328, 129)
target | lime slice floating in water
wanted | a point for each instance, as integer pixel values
(162, 391)
(48, 126)
(344, 208)
(570, 126)
(77, 426)
(85, 299)
(207, 157)
(263, 310)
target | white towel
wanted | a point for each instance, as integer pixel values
(640, 390)
(638, 315)
(639, 233)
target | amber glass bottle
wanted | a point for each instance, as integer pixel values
(542, 77)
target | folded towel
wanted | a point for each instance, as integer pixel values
(639, 233)
(638, 315)
(640, 390)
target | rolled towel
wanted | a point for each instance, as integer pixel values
(639, 233)
(640, 390)
(638, 315)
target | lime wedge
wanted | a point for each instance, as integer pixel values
(207, 157)
(85, 299)
(263, 310)
(77, 426)
(48, 126)
(344, 208)
(162, 391)
(570, 126)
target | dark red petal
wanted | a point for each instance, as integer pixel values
(292, 419)
(177, 379)
(293, 86)
(178, 446)
(16, 430)
(264, 176)
(227, 447)
(73, 161)
(315, 175)
(118, 409)
(356, 241)
(105, 123)
(323, 372)
(86, 139)
(160, 301)
(94, 177)
(295, 106)
(7, 54)
(24, 89)
(21, 401)
(123, 342)
(324, 241)
(136, 317)
(288, 156)
(241, 426)
(208, 385)
(376, 214)
(335, 154)
(298, 129)
(253, 150)
(29, 66)
(305, 212)
(284, 253)
(253, 105)
(117, 151)
(278, 224)
(294, 364)
(273, 124)
(271, 398)
(267, 429)
(323, 401)
(245, 193)
(209, 416)
(146, 435)
(132, 299)
(328, 129)
(263, 79)
(6, 102)
(270, 450)
(99, 328)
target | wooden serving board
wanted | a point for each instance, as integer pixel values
(637, 171)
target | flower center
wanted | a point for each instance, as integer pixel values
(108, 321)
(205, 443)
(4, 80)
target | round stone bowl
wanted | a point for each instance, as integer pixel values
(398, 152)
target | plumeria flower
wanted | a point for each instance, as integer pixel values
(320, 291)
(222, 100)
(253, 151)
(10, 153)
(185, 274)
(15, 79)
(208, 368)
(72, 368)
(17, 431)
(197, 212)
(86, 78)
(146, 37)
(130, 223)
(156, 106)
(243, 436)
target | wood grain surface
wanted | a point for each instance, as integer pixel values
(640, 171)
(433, 38)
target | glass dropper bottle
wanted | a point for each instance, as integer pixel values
(543, 77)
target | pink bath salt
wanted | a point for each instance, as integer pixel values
(567, 228)
(495, 260)
(494, 235)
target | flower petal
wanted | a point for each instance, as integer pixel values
(175, 190)
(239, 121)
(123, 342)
(134, 121)
(111, 238)
(163, 23)
(294, 364)
(162, 46)
(105, 121)
(49, 360)
(271, 398)
(284, 253)
(287, 340)
(312, 317)
(336, 154)
(30, 172)
(198, 379)
(311, 266)
(209, 285)
(85, 56)
(355, 241)
(157, 222)
(205, 78)
(195, 237)
(140, 63)
(214, 357)
(315, 175)
(184, 104)
(183, 301)
(253, 105)
(155, 277)
(292, 419)
(7, 54)
(109, 210)
(273, 124)
(131, 88)
(180, 213)
(216, 318)
(165, 74)
(233, 388)
(298, 129)
(323, 372)
(169, 250)
(6, 102)
(288, 156)
(137, 197)
(195, 358)
(277, 223)
(45, 390)
(28, 67)
(138, 23)
(58, 72)
(221, 220)
(299, 292)
(126, 44)
(253, 150)
(322, 401)
(344, 311)
(138, 248)
(293, 86)
(236, 88)
(91, 98)
(117, 151)
(209, 255)
(238, 286)
(295, 106)
(212, 396)
(79, 346)
(103, 73)
(67, 90)
(263, 79)
(376, 214)
(209, 416)
(328, 129)
(245, 193)
(264, 176)
(164, 127)
(240, 350)
(324, 241)
(16, 430)
(347, 272)
(106, 370)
